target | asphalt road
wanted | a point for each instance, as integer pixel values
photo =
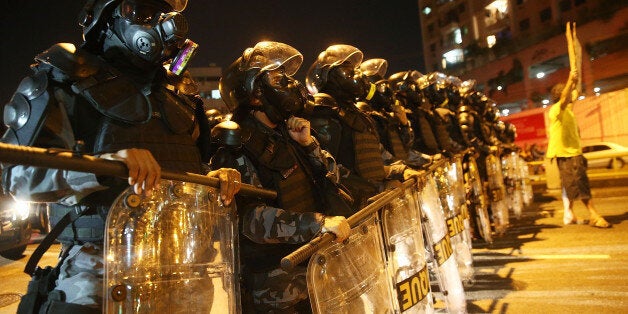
(538, 266)
(542, 266)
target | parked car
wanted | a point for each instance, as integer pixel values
(605, 155)
(15, 227)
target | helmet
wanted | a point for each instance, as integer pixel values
(452, 89)
(477, 100)
(375, 70)
(94, 13)
(336, 72)
(405, 88)
(433, 88)
(248, 78)
(467, 87)
(227, 133)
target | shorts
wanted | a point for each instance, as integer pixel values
(573, 177)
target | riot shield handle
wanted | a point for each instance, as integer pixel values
(69, 160)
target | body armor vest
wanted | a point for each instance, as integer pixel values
(389, 132)
(280, 168)
(424, 138)
(368, 159)
(110, 112)
(439, 126)
(398, 149)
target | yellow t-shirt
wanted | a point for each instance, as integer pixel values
(564, 138)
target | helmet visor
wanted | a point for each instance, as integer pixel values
(268, 56)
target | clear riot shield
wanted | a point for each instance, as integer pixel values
(441, 263)
(477, 202)
(497, 194)
(526, 185)
(351, 277)
(512, 183)
(404, 243)
(172, 252)
(451, 195)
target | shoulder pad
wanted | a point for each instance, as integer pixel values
(184, 83)
(34, 85)
(322, 99)
(75, 64)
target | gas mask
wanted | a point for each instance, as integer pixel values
(409, 91)
(383, 97)
(282, 96)
(347, 83)
(149, 31)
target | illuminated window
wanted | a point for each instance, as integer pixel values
(458, 36)
(495, 12)
(491, 40)
(215, 94)
(454, 56)
(427, 10)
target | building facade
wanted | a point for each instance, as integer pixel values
(207, 79)
(516, 50)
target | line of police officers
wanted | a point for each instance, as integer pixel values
(326, 147)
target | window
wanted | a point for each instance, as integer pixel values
(564, 5)
(430, 29)
(579, 2)
(461, 8)
(433, 47)
(454, 56)
(545, 14)
(454, 37)
(524, 24)
(215, 94)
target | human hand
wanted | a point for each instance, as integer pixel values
(144, 171)
(230, 183)
(337, 225)
(299, 130)
(400, 112)
(573, 74)
(411, 173)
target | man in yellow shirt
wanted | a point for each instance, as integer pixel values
(564, 145)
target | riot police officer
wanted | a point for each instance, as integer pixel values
(406, 90)
(276, 152)
(111, 97)
(390, 118)
(347, 133)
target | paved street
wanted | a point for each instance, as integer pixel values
(539, 266)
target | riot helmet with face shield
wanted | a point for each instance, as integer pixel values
(434, 88)
(405, 88)
(336, 72)
(261, 79)
(375, 70)
(147, 32)
(452, 90)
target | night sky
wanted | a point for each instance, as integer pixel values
(223, 29)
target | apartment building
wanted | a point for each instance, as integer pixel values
(516, 49)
